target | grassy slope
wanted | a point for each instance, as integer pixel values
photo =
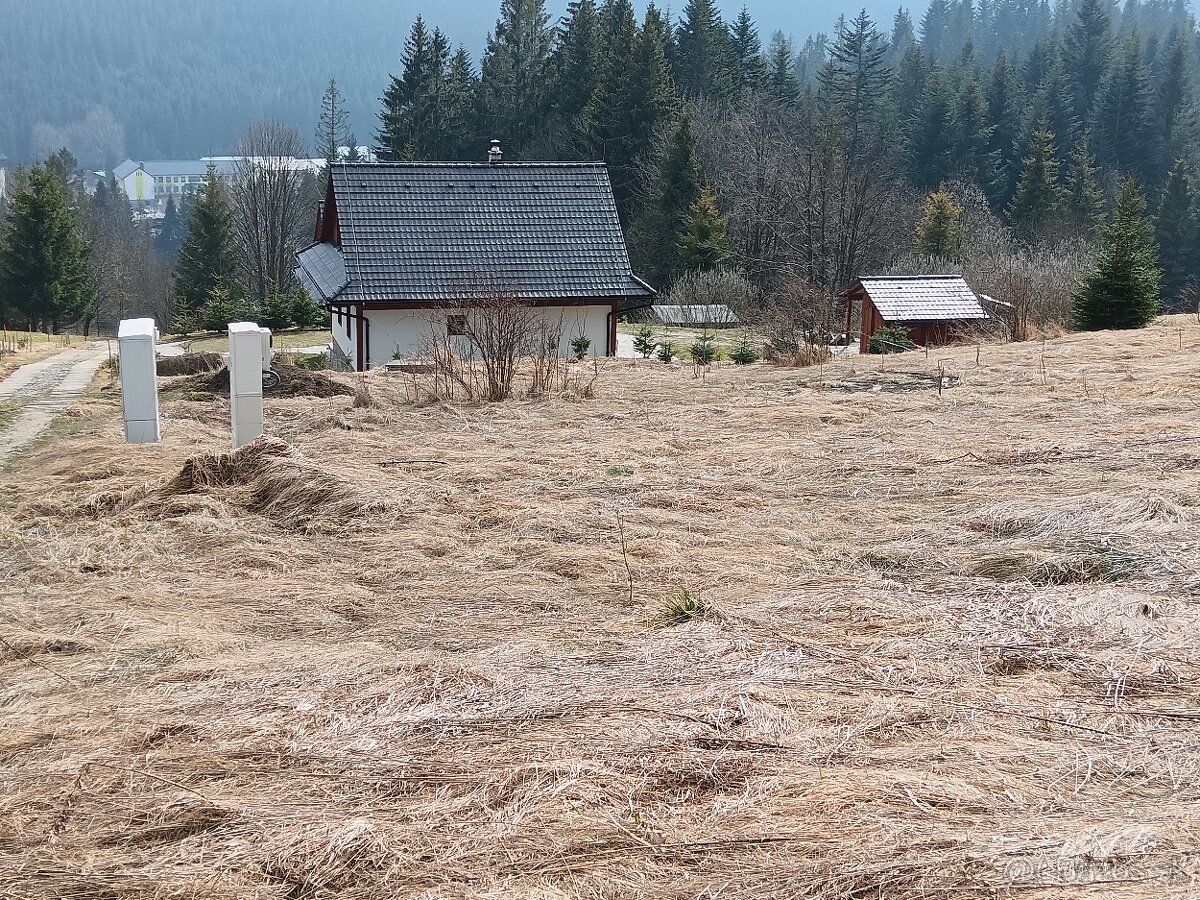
(948, 646)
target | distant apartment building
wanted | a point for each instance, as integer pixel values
(150, 183)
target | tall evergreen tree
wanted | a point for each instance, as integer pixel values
(173, 229)
(1087, 49)
(746, 54)
(207, 261)
(333, 125)
(1121, 290)
(577, 64)
(1004, 118)
(902, 36)
(1083, 201)
(1123, 122)
(854, 82)
(1175, 230)
(1174, 113)
(782, 85)
(44, 277)
(1038, 194)
(930, 140)
(677, 188)
(514, 87)
(934, 25)
(972, 157)
(703, 66)
(461, 138)
(405, 120)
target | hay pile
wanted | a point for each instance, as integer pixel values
(723, 637)
(189, 364)
(294, 382)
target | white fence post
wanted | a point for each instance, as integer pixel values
(139, 380)
(249, 356)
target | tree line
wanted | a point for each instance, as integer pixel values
(812, 163)
(74, 257)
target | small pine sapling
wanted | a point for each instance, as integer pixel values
(644, 343)
(744, 352)
(666, 352)
(703, 351)
(580, 344)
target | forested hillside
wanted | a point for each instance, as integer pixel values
(182, 79)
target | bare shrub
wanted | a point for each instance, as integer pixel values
(799, 321)
(496, 339)
(716, 287)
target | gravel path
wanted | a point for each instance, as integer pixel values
(41, 390)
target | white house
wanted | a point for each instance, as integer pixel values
(401, 249)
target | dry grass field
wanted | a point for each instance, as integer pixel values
(769, 633)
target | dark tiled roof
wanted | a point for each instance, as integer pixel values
(324, 267)
(925, 298)
(424, 231)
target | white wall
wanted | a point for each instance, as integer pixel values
(408, 333)
(138, 186)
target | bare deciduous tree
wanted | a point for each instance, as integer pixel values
(273, 201)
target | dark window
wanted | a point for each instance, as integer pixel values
(456, 326)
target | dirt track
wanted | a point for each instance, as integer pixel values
(41, 390)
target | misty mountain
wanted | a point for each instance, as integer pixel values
(148, 78)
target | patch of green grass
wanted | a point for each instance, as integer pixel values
(619, 471)
(8, 413)
(684, 607)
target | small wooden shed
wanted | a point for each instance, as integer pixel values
(929, 307)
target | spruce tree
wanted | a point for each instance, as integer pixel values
(1087, 49)
(1123, 122)
(934, 25)
(1174, 112)
(404, 120)
(1038, 194)
(333, 124)
(1083, 201)
(930, 141)
(459, 114)
(577, 64)
(704, 244)
(971, 155)
(677, 188)
(940, 232)
(1175, 230)
(514, 89)
(855, 81)
(207, 262)
(782, 84)
(1004, 118)
(44, 277)
(173, 229)
(903, 36)
(1121, 289)
(703, 65)
(746, 54)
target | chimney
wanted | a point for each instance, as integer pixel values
(494, 152)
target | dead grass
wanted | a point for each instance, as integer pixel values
(394, 652)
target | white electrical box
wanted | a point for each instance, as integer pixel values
(249, 357)
(139, 380)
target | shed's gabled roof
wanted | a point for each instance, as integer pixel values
(922, 298)
(414, 232)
